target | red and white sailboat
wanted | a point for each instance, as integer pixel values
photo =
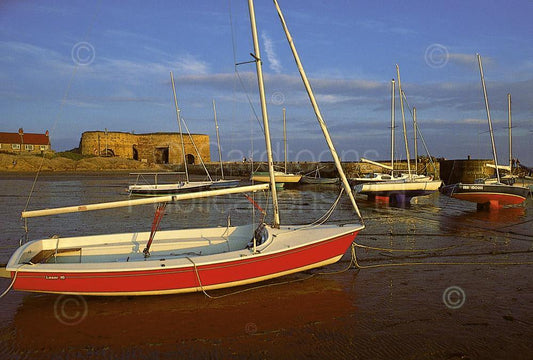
(491, 194)
(179, 261)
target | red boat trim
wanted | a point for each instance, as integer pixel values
(185, 279)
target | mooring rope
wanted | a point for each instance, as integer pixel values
(242, 290)
(357, 265)
(12, 281)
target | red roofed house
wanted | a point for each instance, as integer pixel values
(21, 143)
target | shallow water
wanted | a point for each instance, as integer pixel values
(463, 290)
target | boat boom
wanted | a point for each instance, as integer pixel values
(134, 202)
(377, 164)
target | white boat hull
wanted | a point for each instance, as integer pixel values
(398, 191)
(180, 260)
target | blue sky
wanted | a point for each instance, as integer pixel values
(74, 66)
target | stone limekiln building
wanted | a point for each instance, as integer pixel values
(159, 148)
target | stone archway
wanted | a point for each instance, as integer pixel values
(190, 159)
(108, 153)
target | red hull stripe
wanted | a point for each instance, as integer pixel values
(485, 197)
(242, 271)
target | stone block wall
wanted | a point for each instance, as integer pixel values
(159, 148)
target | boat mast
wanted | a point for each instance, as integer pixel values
(403, 122)
(285, 139)
(218, 141)
(261, 85)
(321, 122)
(392, 111)
(416, 149)
(179, 124)
(510, 137)
(494, 155)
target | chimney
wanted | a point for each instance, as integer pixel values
(21, 131)
(47, 133)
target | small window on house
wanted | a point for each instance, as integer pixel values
(28, 147)
(42, 147)
(15, 146)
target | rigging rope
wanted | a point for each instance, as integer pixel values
(195, 148)
(420, 133)
(158, 216)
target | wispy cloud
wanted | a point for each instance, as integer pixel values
(472, 121)
(381, 27)
(274, 63)
(188, 64)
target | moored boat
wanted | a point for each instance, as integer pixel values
(145, 187)
(492, 195)
(399, 192)
(489, 194)
(280, 177)
(187, 260)
(396, 188)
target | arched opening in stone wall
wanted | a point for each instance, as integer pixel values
(135, 153)
(190, 159)
(108, 153)
(161, 155)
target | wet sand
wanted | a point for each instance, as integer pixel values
(467, 295)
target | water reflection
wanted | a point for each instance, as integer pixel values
(122, 323)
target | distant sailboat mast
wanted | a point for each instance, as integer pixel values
(403, 122)
(179, 125)
(218, 141)
(285, 139)
(494, 155)
(392, 124)
(415, 145)
(510, 134)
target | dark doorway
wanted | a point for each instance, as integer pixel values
(161, 155)
(190, 159)
(135, 153)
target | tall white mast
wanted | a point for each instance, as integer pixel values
(285, 139)
(494, 155)
(218, 140)
(403, 122)
(179, 125)
(510, 134)
(392, 111)
(317, 111)
(258, 65)
(415, 147)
